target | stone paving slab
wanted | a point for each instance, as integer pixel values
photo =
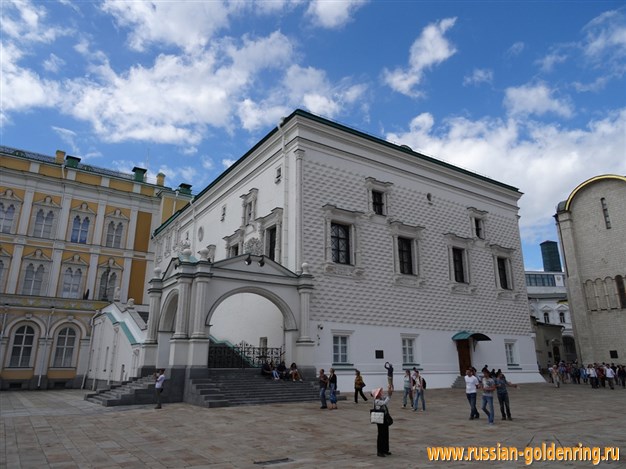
(58, 429)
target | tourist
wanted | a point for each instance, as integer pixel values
(408, 387)
(610, 376)
(488, 386)
(332, 382)
(471, 383)
(389, 368)
(359, 384)
(294, 373)
(418, 392)
(159, 379)
(380, 403)
(593, 376)
(503, 396)
(323, 380)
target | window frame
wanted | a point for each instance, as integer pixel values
(340, 245)
(409, 350)
(352, 220)
(33, 346)
(510, 352)
(605, 213)
(343, 351)
(273, 221)
(478, 223)
(412, 235)
(373, 186)
(234, 243)
(249, 207)
(73, 349)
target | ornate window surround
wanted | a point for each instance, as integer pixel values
(37, 258)
(384, 188)
(8, 198)
(454, 241)
(47, 205)
(235, 239)
(478, 223)
(273, 220)
(117, 217)
(332, 214)
(82, 211)
(74, 263)
(414, 233)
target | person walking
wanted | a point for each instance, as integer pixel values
(323, 380)
(488, 386)
(408, 386)
(419, 392)
(359, 384)
(382, 440)
(503, 396)
(556, 376)
(159, 379)
(610, 376)
(471, 383)
(332, 383)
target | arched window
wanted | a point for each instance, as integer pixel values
(71, 283)
(64, 351)
(43, 224)
(546, 318)
(6, 218)
(114, 235)
(80, 228)
(33, 280)
(561, 317)
(107, 285)
(22, 350)
(621, 291)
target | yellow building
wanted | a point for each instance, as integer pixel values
(73, 238)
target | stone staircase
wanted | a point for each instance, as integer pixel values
(459, 383)
(247, 387)
(139, 391)
(223, 387)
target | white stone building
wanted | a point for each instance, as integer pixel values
(344, 251)
(592, 230)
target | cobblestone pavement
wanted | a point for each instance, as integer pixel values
(58, 429)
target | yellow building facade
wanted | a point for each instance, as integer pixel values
(73, 238)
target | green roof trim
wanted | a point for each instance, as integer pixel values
(463, 335)
(129, 335)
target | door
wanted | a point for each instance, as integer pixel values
(465, 356)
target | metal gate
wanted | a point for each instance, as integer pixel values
(243, 355)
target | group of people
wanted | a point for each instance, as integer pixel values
(328, 382)
(596, 374)
(489, 382)
(414, 389)
(281, 371)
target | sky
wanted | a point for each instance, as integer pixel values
(529, 93)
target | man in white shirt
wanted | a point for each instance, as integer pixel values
(471, 382)
(158, 386)
(610, 375)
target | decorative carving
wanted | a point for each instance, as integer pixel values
(253, 246)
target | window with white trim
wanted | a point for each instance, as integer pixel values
(340, 349)
(72, 281)
(44, 216)
(22, 355)
(406, 251)
(33, 279)
(511, 353)
(81, 219)
(459, 265)
(7, 217)
(408, 350)
(234, 243)
(561, 317)
(546, 318)
(378, 196)
(271, 227)
(478, 220)
(342, 241)
(64, 350)
(503, 268)
(249, 202)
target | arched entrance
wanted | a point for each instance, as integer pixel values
(245, 330)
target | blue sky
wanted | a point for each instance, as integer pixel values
(532, 94)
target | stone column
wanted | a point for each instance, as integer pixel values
(305, 289)
(298, 213)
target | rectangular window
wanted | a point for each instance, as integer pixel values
(271, 243)
(605, 213)
(540, 280)
(249, 213)
(458, 264)
(509, 348)
(233, 250)
(479, 228)
(340, 349)
(405, 255)
(378, 202)
(408, 347)
(503, 273)
(340, 243)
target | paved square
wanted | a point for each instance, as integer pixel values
(58, 429)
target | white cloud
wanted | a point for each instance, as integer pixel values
(175, 99)
(535, 99)
(188, 25)
(548, 63)
(23, 21)
(516, 49)
(257, 115)
(333, 14)
(478, 76)
(23, 89)
(429, 49)
(227, 163)
(606, 37)
(53, 63)
(69, 137)
(525, 154)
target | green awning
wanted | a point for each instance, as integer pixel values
(467, 335)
